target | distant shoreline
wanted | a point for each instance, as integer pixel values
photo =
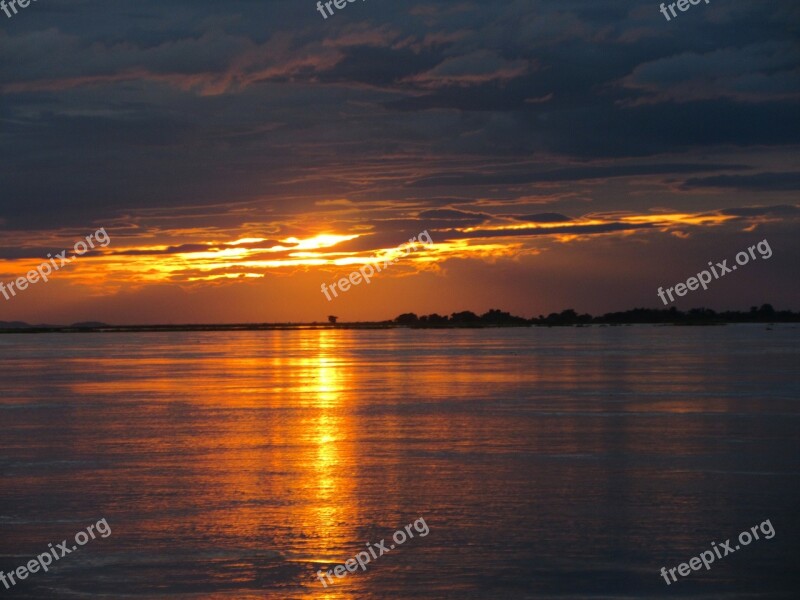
(324, 326)
(462, 320)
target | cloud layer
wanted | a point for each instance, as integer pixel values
(510, 130)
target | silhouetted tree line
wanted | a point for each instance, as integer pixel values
(696, 316)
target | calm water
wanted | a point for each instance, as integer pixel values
(547, 463)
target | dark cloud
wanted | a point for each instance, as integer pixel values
(466, 218)
(252, 111)
(544, 218)
(524, 175)
(759, 211)
(788, 181)
(764, 71)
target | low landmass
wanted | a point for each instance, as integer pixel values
(493, 318)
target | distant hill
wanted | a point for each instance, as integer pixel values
(14, 325)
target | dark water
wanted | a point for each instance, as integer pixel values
(547, 463)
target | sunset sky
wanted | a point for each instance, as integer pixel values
(560, 154)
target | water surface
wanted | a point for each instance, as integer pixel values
(547, 463)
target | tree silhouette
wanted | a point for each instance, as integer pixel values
(407, 319)
(332, 319)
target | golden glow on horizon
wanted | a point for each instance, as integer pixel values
(126, 263)
(664, 220)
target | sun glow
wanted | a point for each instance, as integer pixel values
(319, 241)
(198, 255)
